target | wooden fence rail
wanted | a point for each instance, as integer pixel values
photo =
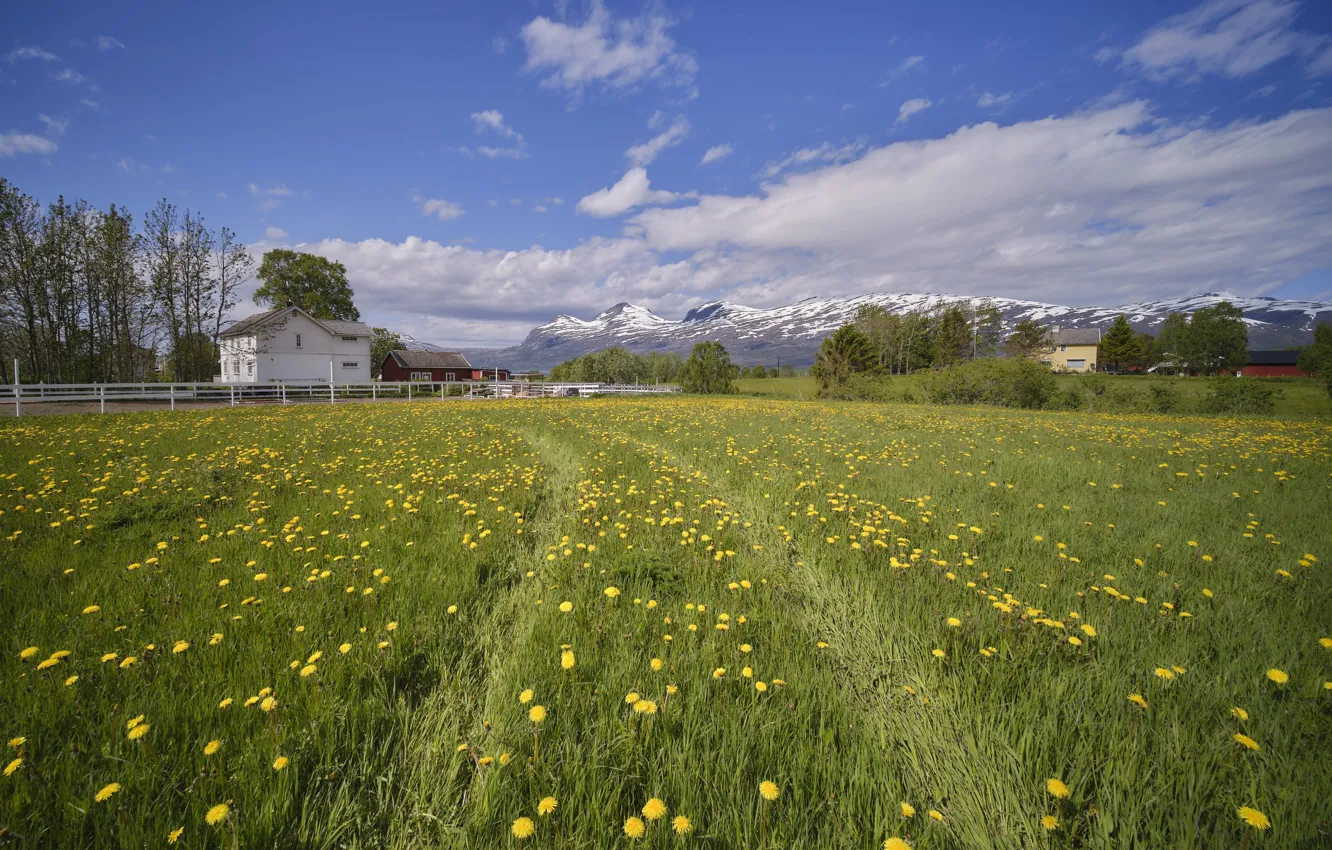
(289, 393)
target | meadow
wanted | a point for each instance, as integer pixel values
(728, 623)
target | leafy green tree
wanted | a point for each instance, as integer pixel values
(1172, 343)
(1119, 345)
(846, 353)
(952, 336)
(1218, 339)
(987, 325)
(1028, 339)
(708, 370)
(1317, 358)
(315, 284)
(786, 371)
(1146, 344)
(382, 341)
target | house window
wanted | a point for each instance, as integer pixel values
(420, 376)
(449, 376)
(349, 339)
(298, 340)
(350, 364)
(1061, 348)
(1077, 364)
(235, 367)
(249, 367)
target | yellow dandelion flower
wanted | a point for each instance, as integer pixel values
(268, 704)
(280, 762)
(174, 835)
(526, 696)
(71, 680)
(92, 609)
(18, 742)
(769, 790)
(566, 606)
(654, 809)
(180, 646)
(567, 659)
(308, 670)
(908, 810)
(645, 706)
(657, 664)
(1050, 822)
(217, 814)
(139, 731)
(1056, 788)
(935, 814)
(345, 648)
(107, 790)
(719, 672)
(536, 713)
(634, 828)
(27, 653)
(522, 828)
(895, 843)
(224, 703)
(1137, 699)
(546, 806)
(1253, 817)
(1247, 741)
(13, 766)
(1278, 676)
(212, 747)
(1239, 713)
(681, 825)
(1164, 673)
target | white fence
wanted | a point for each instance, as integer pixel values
(284, 393)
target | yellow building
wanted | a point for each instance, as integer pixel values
(1072, 349)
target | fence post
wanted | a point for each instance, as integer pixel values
(232, 389)
(102, 392)
(18, 391)
(373, 386)
(284, 393)
(409, 390)
(171, 390)
(330, 385)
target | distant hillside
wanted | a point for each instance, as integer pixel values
(792, 334)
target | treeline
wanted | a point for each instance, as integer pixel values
(878, 344)
(786, 370)
(85, 296)
(620, 366)
(708, 370)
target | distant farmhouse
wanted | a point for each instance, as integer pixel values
(1272, 364)
(436, 367)
(288, 344)
(1072, 349)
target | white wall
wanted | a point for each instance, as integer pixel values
(276, 357)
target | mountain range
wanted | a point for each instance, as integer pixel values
(793, 333)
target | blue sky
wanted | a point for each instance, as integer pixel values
(482, 167)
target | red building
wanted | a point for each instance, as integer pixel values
(479, 374)
(435, 366)
(1272, 364)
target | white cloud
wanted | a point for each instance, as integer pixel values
(988, 100)
(14, 143)
(540, 208)
(643, 155)
(1161, 209)
(223, 195)
(273, 234)
(492, 203)
(19, 54)
(905, 65)
(442, 210)
(716, 153)
(616, 54)
(1227, 37)
(54, 126)
(492, 120)
(106, 42)
(270, 196)
(1323, 64)
(632, 190)
(824, 153)
(68, 75)
(499, 44)
(911, 107)
(90, 103)
(847, 107)
(1108, 206)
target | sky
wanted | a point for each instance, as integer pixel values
(482, 167)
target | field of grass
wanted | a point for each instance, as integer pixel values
(573, 623)
(1298, 396)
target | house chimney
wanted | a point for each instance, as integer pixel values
(289, 303)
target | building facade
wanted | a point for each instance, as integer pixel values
(1273, 364)
(433, 366)
(288, 344)
(1072, 349)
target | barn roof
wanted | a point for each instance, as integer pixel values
(1273, 358)
(430, 359)
(334, 326)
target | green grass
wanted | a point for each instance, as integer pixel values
(833, 541)
(1301, 397)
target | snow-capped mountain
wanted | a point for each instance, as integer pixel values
(791, 334)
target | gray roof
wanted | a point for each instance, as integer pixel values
(430, 359)
(333, 326)
(1075, 336)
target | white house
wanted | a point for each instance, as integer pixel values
(288, 344)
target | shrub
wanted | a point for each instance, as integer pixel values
(1165, 398)
(861, 388)
(1004, 383)
(1241, 395)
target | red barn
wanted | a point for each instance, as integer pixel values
(1272, 364)
(435, 366)
(491, 374)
